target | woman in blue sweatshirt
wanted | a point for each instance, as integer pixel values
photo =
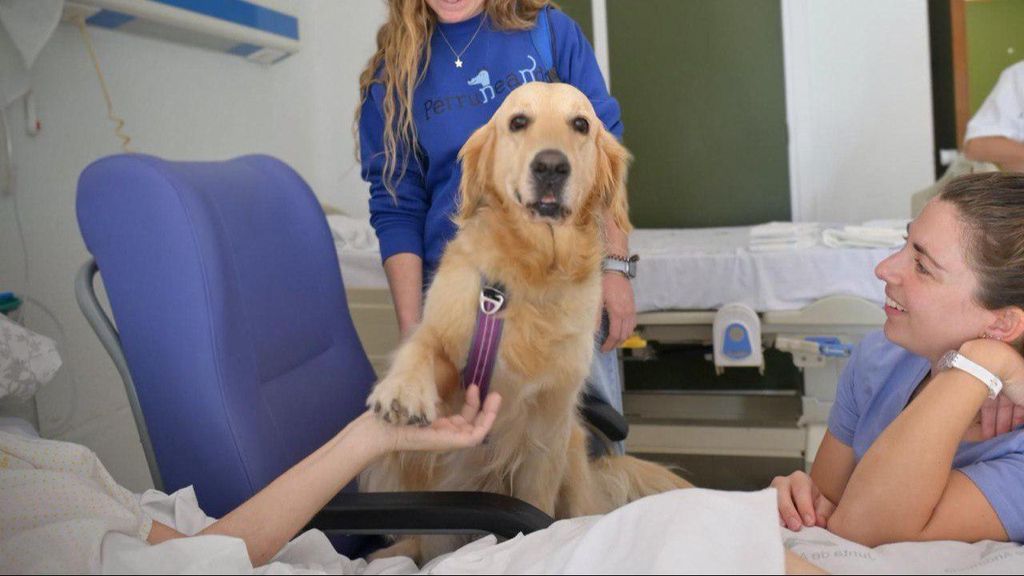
(441, 69)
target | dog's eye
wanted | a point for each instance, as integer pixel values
(580, 125)
(518, 122)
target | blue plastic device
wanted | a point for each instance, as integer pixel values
(831, 346)
(737, 341)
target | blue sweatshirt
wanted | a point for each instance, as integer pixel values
(448, 106)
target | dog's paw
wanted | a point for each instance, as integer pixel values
(404, 402)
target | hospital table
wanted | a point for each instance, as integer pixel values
(684, 276)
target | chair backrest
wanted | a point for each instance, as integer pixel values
(224, 283)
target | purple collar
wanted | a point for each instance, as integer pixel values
(483, 352)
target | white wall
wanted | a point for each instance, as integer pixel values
(858, 91)
(179, 102)
(344, 37)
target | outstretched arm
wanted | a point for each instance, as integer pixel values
(1006, 153)
(268, 520)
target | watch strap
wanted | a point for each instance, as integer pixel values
(954, 359)
(622, 265)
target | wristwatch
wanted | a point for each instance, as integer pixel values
(954, 359)
(622, 265)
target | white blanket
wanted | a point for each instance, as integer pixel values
(693, 532)
(61, 512)
(840, 556)
(57, 502)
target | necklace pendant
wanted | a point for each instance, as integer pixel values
(458, 62)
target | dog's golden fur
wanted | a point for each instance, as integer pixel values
(550, 267)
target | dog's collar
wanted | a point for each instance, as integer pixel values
(483, 351)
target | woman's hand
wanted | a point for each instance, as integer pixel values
(999, 416)
(617, 296)
(800, 502)
(1004, 361)
(468, 428)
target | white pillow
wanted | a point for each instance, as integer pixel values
(27, 360)
(353, 233)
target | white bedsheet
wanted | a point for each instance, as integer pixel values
(44, 529)
(61, 512)
(697, 269)
(688, 532)
(706, 268)
(844, 557)
(361, 268)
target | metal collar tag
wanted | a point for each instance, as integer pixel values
(492, 300)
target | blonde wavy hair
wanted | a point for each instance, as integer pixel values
(401, 60)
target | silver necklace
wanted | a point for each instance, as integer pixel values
(458, 55)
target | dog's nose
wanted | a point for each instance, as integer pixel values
(550, 167)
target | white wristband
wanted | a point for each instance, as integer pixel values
(954, 359)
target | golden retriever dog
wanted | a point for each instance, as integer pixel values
(537, 181)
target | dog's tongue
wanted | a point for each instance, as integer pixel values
(548, 198)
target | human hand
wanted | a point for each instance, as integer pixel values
(999, 416)
(617, 297)
(1015, 165)
(1004, 361)
(800, 502)
(462, 430)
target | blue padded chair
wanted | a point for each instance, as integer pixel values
(234, 337)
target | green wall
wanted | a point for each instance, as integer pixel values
(701, 83)
(995, 39)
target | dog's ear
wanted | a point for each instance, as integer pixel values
(612, 168)
(476, 157)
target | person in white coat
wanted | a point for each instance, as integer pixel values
(996, 132)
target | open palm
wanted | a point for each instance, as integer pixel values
(467, 428)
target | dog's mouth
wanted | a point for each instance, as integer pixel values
(548, 207)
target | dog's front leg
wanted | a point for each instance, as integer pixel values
(579, 495)
(539, 479)
(408, 393)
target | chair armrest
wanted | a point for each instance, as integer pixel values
(430, 513)
(606, 419)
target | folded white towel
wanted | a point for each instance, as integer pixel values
(783, 230)
(896, 224)
(800, 244)
(784, 236)
(875, 234)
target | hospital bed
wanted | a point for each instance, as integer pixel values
(709, 532)
(686, 531)
(685, 276)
